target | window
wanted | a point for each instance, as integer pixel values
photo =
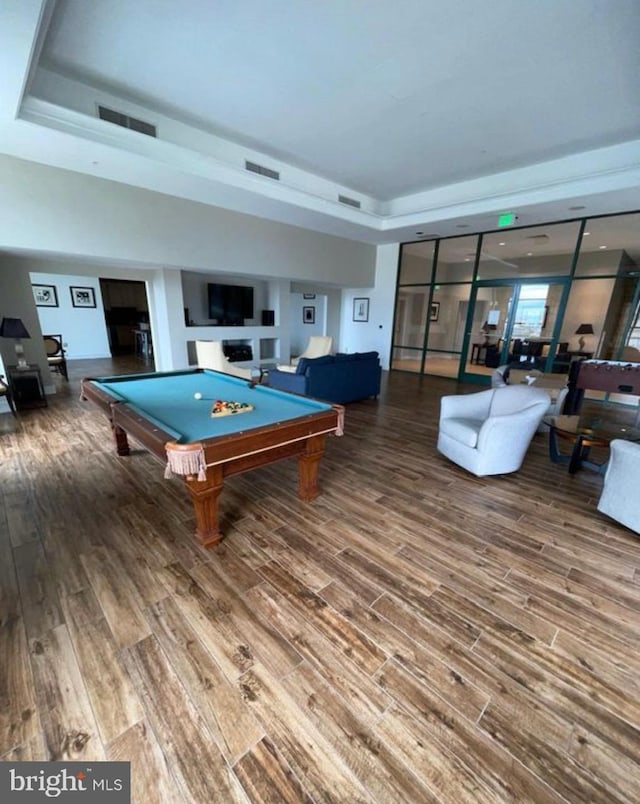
(531, 311)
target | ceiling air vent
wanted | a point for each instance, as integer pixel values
(539, 238)
(125, 121)
(254, 167)
(351, 202)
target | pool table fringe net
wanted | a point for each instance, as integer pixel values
(189, 459)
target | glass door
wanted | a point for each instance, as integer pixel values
(488, 330)
(512, 321)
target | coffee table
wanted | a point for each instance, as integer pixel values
(584, 432)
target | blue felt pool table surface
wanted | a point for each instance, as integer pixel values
(168, 400)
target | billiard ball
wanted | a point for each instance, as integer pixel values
(197, 395)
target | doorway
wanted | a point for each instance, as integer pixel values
(126, 312)
(512, 321)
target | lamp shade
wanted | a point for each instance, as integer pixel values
(585, 329)
(13, 328)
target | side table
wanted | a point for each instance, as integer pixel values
(476, 353)
(26, 386)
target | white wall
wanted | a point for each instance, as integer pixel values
(61, 212)
(108, 229)
(333, 296)
(83, 329)
(299, 332)
(166, 307)
(376, 333)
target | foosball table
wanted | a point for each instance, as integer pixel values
(610, 376)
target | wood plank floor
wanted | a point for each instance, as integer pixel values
(416, 634)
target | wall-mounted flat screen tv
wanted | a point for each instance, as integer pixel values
(230, 304)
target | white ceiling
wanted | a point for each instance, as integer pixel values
(430, 113)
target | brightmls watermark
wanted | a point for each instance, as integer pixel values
(65, 782)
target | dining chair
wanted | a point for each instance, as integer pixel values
(56, 359)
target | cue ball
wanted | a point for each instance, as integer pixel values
(197, 395)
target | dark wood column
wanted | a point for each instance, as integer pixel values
(308, 467)
(120, 439)
(205, 494)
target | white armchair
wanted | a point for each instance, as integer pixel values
(210, 355)
(619, 498)
(318, 346)
(488, 433)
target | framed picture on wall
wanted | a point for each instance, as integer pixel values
(361, 309)
(83, 297)
(308, 315)
(435, 311)
(45, 295)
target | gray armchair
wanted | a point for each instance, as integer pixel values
(619, 498)
(488, 433)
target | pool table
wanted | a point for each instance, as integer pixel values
(162, 412)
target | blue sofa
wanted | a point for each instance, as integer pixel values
(336, 378)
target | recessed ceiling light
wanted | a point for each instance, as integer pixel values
(587, 233)
(601, 247)
(529, 253)
(467, 259)
(577, 207)
(502, 244)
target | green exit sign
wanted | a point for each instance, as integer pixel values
(506, 219)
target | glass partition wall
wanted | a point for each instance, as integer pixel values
(432, 307)
(412, 311)
(549, 294)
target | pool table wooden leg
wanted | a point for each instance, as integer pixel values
(204, 495)
(308, 463)
(120, 438)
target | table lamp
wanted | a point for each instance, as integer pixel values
(14, 328)
(583, 329)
